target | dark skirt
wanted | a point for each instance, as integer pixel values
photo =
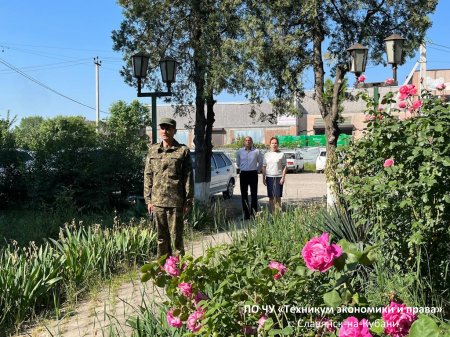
(274, 188)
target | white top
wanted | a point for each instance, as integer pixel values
(274, 162)
(249, 160)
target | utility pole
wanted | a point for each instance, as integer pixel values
(423, 68)
(97, 91)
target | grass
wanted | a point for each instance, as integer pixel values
(310, 167)
(41, 278)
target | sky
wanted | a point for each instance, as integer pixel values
(51, 45)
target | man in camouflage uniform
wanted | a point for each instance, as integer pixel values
(168, 186)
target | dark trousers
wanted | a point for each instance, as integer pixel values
(249, 178)
(169, 220)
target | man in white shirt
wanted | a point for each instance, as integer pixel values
(249, 161)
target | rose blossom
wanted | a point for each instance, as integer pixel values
(192, 321)
(407, 90)
(441, 86)
(361, 79)
(388, 162)
(351, 327)
(319, 254)
(389, 81)
(171, 266)
(173, 321)
(412, 90)
(186, 289)
(417, 104)
(398, 319)
(278, 266)
(402, 104)
(262, 320)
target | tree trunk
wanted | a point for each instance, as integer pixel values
(330, 115)
(202, 133)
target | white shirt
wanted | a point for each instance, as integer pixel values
(275, 162)
(250, 160)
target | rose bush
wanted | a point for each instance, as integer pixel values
(408, 201)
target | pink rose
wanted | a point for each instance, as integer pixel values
(407, 90)
(278, 266)
(171, 266)
(319, 254)
(351, 327)
(412, 90)
(389, 81)
(173, 321)
(262, 320)
(402, 97)
(417, 104)
(361, 79)
(402, 104)
(441, 86)
(192, 322)
(403, 90)
(398, 319)
(186, 289)
(388, 162)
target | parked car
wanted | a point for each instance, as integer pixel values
(321, 161)
(223, 174)
(294, 161)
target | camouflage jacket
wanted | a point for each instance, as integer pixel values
(168, 176)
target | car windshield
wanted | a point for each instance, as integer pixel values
(323, 153)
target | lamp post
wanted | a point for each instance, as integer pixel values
(358, 60)
(168, 67)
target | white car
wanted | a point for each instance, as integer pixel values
(294, 161)
(321, 161)
(223, 174)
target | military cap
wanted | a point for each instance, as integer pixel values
(168, 121)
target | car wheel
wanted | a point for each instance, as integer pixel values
(228, 194)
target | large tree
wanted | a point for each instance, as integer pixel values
(193, 32)
(327, 26)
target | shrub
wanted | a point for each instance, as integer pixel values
(397, 177)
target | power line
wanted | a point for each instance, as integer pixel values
(44, 85)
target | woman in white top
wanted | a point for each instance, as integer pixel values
(274, 173)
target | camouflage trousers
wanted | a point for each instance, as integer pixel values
(169, 221)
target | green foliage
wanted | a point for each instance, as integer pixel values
(75, 168)
(408, 202)
(27, 133)
(34, 278)
(236, 278)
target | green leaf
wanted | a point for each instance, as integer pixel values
(377, 327)
(300, 271)
(424, 327)
(145, 277)
(332, 299)
(146, 267)
(287, 331)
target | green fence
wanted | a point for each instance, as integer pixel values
(312, 140)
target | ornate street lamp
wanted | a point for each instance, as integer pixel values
(168, 67)
(358, 58)
(394, 50)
